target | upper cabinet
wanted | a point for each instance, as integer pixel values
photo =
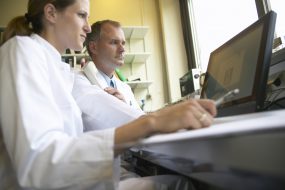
(136, 54)
(138, 57)
(135, 32)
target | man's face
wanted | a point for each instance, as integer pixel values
(110, 49)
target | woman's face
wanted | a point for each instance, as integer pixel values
(71, 26)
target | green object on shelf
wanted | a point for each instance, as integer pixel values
(120, 75)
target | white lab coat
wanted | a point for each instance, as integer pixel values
(42, 142)
(101, 110)
(122, 87)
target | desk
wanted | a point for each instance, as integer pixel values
(237, 152)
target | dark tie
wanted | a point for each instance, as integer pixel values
(112, 84)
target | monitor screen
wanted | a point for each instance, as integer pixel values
(242, 63)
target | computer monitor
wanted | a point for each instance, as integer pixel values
(242, 63)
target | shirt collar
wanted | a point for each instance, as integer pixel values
(108, 79)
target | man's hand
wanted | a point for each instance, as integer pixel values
(115, 92)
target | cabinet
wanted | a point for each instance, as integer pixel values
(136, 56)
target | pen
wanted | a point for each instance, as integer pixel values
(226, 97)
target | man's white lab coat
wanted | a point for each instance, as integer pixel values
(121, 86)
(101, 110)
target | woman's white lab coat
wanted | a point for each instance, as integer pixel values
(43, 145)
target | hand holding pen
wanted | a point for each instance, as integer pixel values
(226, 97)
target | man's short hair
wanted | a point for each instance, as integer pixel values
(95, 33)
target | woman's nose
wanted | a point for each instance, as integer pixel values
(87, 28)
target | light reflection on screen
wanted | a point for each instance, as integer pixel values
(234, 65)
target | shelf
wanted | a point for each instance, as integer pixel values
(75, 54)
(135, 32)
(136, 57)
(139, 84)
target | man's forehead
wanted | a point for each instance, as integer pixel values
(112, 32)
(108, 28)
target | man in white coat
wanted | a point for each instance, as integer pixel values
(103, 106)
(106, 47)
(109, 102)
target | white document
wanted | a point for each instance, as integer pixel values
(224, 126)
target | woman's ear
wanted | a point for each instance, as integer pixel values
(50, 12)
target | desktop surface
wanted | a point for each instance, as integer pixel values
(245, 149)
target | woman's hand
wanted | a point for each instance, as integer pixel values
(191, 114)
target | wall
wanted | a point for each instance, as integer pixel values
(167, 62)
(8, 10)
(175, 55)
